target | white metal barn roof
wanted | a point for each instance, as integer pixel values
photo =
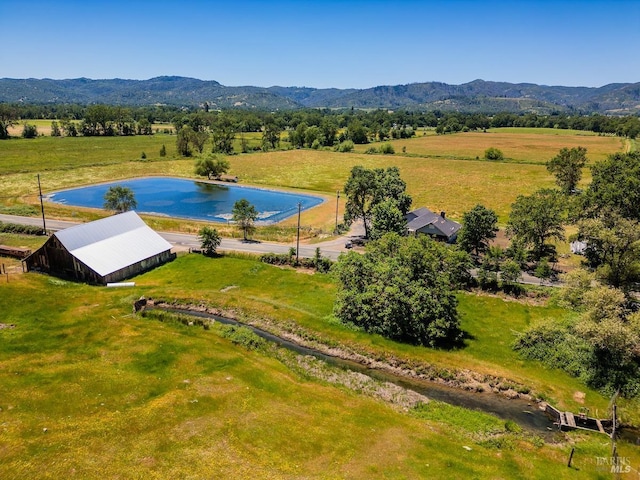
(112, 243)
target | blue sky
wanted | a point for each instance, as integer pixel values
(343, 44)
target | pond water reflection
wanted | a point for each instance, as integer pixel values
(182, 198)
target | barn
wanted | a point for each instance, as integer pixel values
(105, 251)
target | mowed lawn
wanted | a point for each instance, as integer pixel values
(88, 390)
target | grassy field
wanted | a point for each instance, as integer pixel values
(441, 184)
(441, 172)
(55, 154)
(44, 127)
(89, 391)
(520, 145)
(492, 322)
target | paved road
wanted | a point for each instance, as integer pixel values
(327, 249)
(330, 249)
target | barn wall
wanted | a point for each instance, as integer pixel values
(139, 267)
(51, 257)
(54, 259)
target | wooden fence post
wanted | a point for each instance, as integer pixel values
(573, 449)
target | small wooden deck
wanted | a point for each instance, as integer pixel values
(571, 421)
(567, 419)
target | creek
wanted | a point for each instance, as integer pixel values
(526, 414)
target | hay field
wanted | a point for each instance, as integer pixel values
(441, 184)
(43, 126)
(525, 145)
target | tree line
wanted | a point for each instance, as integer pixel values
(363, 126)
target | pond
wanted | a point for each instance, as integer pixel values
(197, 200)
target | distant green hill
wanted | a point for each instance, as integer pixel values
(476, 96)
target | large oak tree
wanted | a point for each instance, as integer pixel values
(365, 189)
(536, 219)
(567, 168)
(402, 288)
(479, 227)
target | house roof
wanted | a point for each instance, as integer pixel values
(112, 243)
(423, 217)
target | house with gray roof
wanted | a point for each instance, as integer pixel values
(105, 251)
(424, 221)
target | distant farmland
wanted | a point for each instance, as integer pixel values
(441, 172)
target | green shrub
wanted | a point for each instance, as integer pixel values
(345, 147)
(169, 317)
(276, 258)
(557, 344)
(321, 264)
(500, 442)
(23, 229)
(513, 427)
(29, 131)
(243, 336)
(493, 153)
(387, 149)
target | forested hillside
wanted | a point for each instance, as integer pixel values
(476, 96)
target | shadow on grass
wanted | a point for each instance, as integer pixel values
(459, 343)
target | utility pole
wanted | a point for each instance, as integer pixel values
(337, 201)
(298, 239)
(44, 224)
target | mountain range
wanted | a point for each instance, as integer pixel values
(476, 96)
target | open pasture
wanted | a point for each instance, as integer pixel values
(90, 391)
(441, 184)
(526, 145)
(284, 295)
(61, 154)
(441, 171)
